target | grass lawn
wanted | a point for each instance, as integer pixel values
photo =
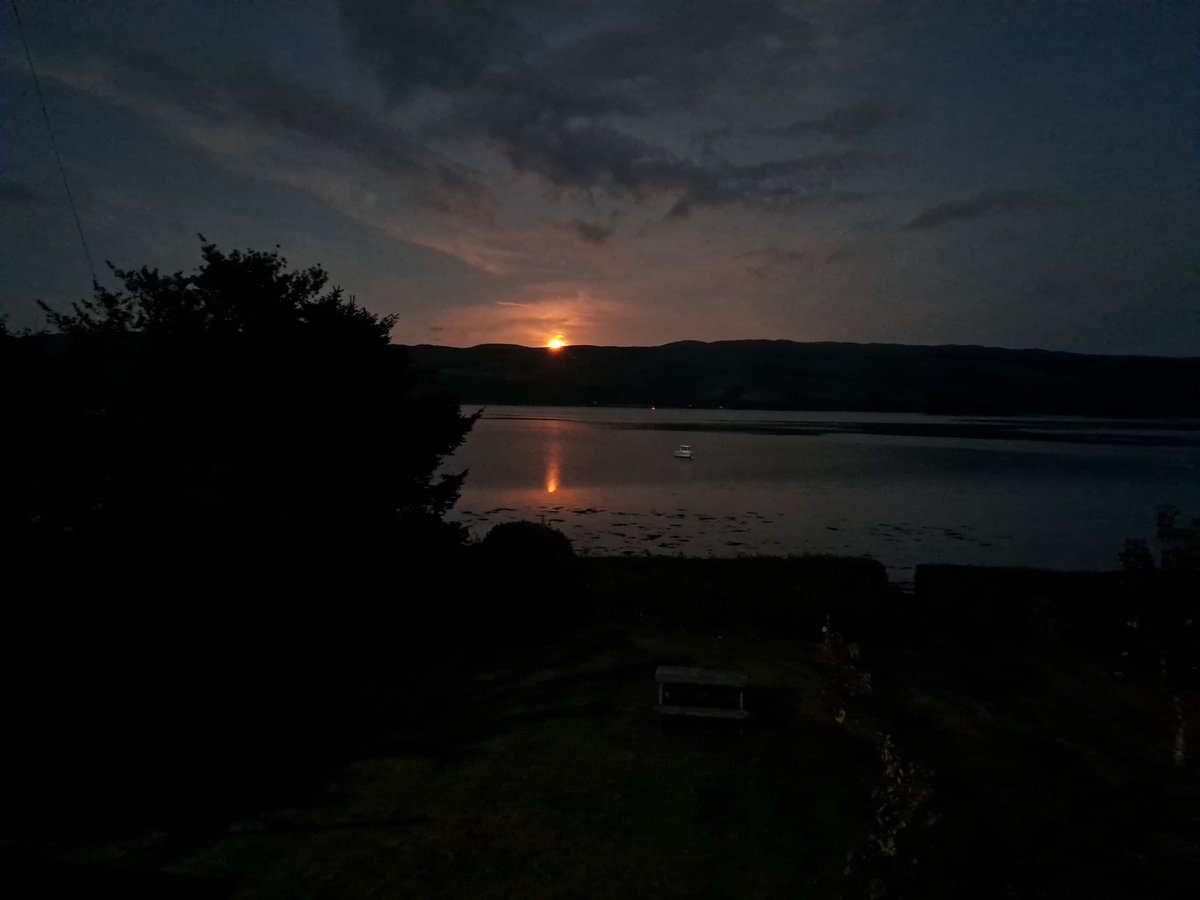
(552, 775)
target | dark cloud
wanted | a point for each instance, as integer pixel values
(982, 205)
(779, 186)
(136, 71)
(763, 262)
(250, 96)
(810, 173)
(774, 255)
(542, 89)
(587, 155)
(17, 196)
(286, 107)
(844, 122)
(592, 157)
(445, 44)
(568, 141)
(636, 54)
(670, 53)
(692, 29)
(592, 232)
(1056, 288)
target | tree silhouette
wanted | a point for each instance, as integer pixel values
(241, 412)
(223, 506)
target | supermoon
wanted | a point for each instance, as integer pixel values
(557, 342)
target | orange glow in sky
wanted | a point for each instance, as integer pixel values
(557, 342)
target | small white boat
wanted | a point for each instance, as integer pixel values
(684, 452)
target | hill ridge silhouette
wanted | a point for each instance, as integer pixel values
(825, 375)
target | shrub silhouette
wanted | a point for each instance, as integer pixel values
(536, 565)
(524, 543)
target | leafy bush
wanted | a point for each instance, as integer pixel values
(889, 853)
(845, 681)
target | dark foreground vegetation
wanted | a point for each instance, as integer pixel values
(994, 734)
(246, 657)
(819, 376)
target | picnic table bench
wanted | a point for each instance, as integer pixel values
(685, 691)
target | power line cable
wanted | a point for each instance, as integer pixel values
(37, 84)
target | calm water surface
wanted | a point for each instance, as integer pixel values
(1058, 493)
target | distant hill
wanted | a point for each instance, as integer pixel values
(818, 376)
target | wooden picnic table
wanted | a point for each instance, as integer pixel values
(714, 693)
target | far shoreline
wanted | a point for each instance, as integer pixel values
(1070, 429)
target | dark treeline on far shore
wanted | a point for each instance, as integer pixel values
(819, 376)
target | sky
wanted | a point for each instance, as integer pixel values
(1014, 173)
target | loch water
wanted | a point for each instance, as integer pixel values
(1042, 492)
